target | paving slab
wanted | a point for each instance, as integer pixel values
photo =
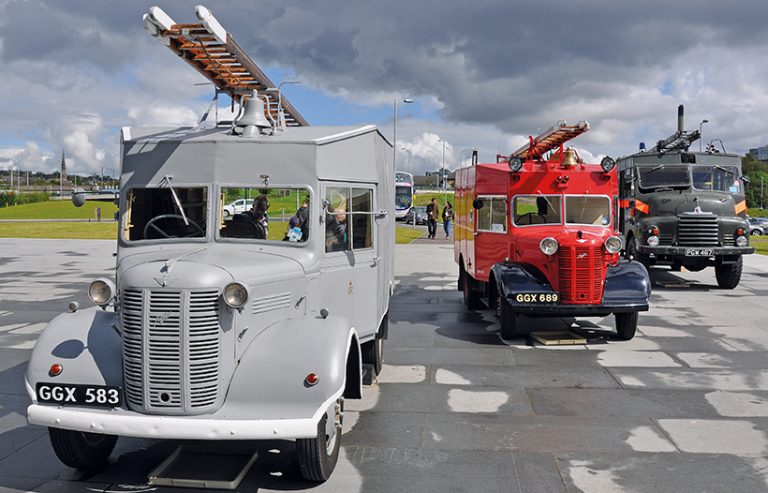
(682, 407)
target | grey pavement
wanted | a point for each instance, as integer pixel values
(682, 407)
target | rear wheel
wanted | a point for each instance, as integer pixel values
(471, 297)
(756, 232)
(318, 456)
(509, 322)
(373, 353)
(626, 325)
(84, 451)
(729, 275)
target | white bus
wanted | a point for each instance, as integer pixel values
(404, 190)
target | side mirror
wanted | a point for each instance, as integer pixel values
(477, 204)
(78, 197)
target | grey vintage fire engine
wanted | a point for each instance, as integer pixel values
(249, 327)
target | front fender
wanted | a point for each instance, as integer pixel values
(516, 277)
(269, 381)
(85, 344)
(627, 283)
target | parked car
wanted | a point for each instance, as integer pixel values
(418, 215)
(758, 226)
(237, 207)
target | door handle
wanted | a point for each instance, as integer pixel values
(375, 261)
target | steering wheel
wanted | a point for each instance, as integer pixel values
(530, 216)
(198, 230)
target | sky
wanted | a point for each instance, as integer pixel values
(483, 74)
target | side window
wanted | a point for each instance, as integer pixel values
(492, 217)
(348, 219)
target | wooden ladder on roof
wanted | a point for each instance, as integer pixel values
(212, 51)
(552, 138)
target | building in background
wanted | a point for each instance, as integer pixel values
(760, 153)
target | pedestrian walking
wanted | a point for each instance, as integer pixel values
(432, 211)
(447, 218)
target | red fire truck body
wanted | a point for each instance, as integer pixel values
(539, 237)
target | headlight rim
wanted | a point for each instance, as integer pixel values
(618, 248)
(109, 285)
(544, 250)
(240, 285)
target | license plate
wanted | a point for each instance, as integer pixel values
(537, 298)
(78, 395)
(699, 252)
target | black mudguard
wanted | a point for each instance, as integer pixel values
(627, 289)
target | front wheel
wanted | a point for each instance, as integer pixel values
(626, 325)
(631, 253)
(509, 321)
(84, 451)
(729, 275)
(318, 456)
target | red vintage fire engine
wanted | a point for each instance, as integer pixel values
(537, 234)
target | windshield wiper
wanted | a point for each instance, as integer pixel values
(724, 170)
(655, 168)
(167, 179)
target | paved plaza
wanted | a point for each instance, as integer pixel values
(683, 407)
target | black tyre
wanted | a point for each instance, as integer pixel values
(84, 451)
(728, 276)
(626, 325)
(756, 232)
(226, 214)
(631, 253)
(373, 353)
(471, 297)
(509, 322)
(318, 456)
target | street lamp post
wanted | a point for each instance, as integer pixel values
(394, 131)
(700, 125)
(442, 173)
(410, 159)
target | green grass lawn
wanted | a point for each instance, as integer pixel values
(69, 230)
(425, 198)
(58, 209)
(760, 243)
(406, 234)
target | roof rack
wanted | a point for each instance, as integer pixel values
(550, 139)
(212, 51)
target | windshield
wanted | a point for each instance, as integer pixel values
(717, 178)
(403, 196)
(165, 213)
(664, 176)
(265, 213)
(587, 209)
(530, 210)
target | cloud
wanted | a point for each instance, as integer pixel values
(489, 73)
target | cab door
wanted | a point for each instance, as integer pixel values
(350, 259)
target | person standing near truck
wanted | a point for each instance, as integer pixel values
(447, 218)
(432, 212)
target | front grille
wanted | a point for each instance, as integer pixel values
(697, 230)
(665, 239)
(581, 273)
(171, 348)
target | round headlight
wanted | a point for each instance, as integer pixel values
(741, 241)
(548, 245)
(100, 291)
(653, 241)
(235, 295)
(607, 164)
(613, 244)
(515, 163)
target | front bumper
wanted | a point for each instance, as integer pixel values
(680, 250)
(545, 310)
(122, 422)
